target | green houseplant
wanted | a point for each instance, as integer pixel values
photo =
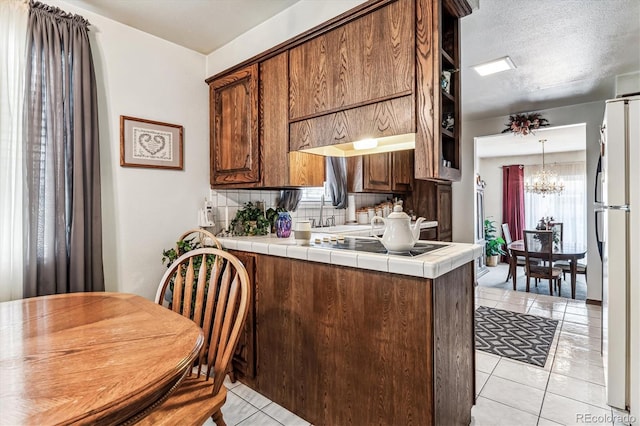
(493, 243)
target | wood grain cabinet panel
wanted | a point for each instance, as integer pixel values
(347, 346)
(384, 172)
(387, 118)
(250, 131)
(244, 358)
(432, 200)
(402, 171)
(279, 166)
(363, 61)
(234, 127)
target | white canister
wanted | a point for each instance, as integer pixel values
(363, 217)
(371, 212)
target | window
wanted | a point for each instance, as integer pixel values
(569, 207)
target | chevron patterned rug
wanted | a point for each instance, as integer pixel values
(521, 337)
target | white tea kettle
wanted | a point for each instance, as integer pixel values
(399, 235)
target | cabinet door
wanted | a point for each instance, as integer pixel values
(443, 192)
(365, 60)
(234, 128)
(377, 172)
(402, 169)
(244, 358)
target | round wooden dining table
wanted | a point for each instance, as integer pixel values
(564, 251)
(90, 358)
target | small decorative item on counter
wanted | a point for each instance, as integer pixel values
(283, 225)
(249, 220)
(302, 232)
(272, 215)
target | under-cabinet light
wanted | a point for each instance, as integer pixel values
(365, 144)
(495, 66)
(383, 144)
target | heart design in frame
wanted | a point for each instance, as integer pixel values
(152, 144)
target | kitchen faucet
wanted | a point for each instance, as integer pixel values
(330, 221)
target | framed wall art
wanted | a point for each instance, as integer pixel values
(153, 144)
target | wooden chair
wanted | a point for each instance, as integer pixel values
(581, 268)
(520, 260)
(538, 246)
(557, 229)
(216, 298)
(199, 237)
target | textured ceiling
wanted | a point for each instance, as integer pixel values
(566, 52)
(200, 25)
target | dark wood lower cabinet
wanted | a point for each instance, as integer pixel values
(243, 362)
(432, 200)
(346, 346)
(430, 234)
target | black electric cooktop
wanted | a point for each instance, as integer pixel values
(371, 245)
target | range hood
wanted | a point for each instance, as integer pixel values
(366, 146)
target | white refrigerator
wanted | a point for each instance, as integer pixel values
(618, 221)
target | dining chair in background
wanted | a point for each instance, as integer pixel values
(538, 247)
(520, 260)
(581, 268)
(558, 231)
(211, 287)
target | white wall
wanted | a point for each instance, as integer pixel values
(145, 210)
(464, 191)
(490, 170)
(292, 21)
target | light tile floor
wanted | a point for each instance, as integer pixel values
(568, 390)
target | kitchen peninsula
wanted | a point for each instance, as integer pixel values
(352, 337)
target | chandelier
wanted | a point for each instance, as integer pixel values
(545, 181)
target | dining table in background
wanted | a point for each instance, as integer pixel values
(563, 251)
(90, 358)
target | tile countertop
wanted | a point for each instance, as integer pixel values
(365, 230)
(429, 265)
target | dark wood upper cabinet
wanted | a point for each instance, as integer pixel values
(385, 172)
(377, 172)
(281, 167)
(373, 71)
(402, 171)
(366, 60)
(250, 131)
(234, 127)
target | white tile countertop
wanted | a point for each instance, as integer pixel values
(429, 265)
(365, 230)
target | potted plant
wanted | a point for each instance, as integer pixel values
(493, 243)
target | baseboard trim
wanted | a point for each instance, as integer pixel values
(594, 302)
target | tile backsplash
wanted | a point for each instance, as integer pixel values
(227, 202)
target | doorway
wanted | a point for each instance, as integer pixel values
(565, 154)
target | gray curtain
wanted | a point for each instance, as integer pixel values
(63, 235)
(336, 170)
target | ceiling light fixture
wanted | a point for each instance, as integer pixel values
(495, 66)
(365, 144)
(545, 181)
